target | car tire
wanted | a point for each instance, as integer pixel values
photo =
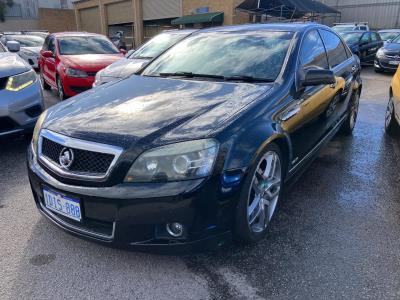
(260, 195)
(44, 84)
(392, 128)
(60, 89)
(350, 122)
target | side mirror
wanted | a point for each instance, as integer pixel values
(122, 50)
(13, 46)
(313, 77)
(47, 54)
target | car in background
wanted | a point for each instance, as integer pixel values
(198, 147)
(69, 61)
(389, 34)
(41, 33)
(30, 47)
(138, 58)
(342, 27)
(21, 100)
(392, 117)
(388, 57)
(365, 44)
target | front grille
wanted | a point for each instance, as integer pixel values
(84, 161)
(389, 66)
(3, 82)
(392, 54)
(6, 124)
(79, 89)
(93, 74)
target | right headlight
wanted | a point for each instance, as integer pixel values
(380, 53)
(18, 82)
(175, 162)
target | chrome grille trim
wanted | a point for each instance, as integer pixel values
(81, 145)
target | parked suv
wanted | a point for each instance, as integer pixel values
(69, 61)
(21, 100)
(200, 145)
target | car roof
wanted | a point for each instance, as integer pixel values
(358, 31)
(74, 33)
(295, 27)
(389, 30)
(180, 31)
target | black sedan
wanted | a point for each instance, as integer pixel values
(364, 44)
(388, 57)
(197, 148)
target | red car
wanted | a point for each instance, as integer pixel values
(69, 61)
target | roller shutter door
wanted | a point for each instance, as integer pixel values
(119, 13)
(161, 9)
(90, 19)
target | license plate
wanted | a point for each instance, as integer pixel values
(394, 62)
(62, 204)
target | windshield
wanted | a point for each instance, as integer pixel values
(342, 28)
(27, 41)
(157, 45)
(230, 54)
(388, 35)
(352, 37)
(77, 45)
(396, 40)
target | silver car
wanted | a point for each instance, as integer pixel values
(137, 59)
(20, 92)
(30, 47)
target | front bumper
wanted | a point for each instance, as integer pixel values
(134, 216)
(20, 110)
(74, 86)
(385, 65)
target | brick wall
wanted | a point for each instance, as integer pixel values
(56, 20)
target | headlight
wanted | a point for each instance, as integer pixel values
(180, 161)
(380, 53)
(18, 82)
(75, 73)
(36, 131)
(97, 79)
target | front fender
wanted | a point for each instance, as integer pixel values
(244, 146)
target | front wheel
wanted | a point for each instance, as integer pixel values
(260, 195)
(350, 122)
(391, 126)
(60, 89)
(43, 82)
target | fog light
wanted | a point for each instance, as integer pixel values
(175, 229)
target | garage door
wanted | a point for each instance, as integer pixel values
(90, 19)
(119, 13)
(161, 9)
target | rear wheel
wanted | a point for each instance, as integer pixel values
(350, 122)
(391, 126)
(260, 196)
(60, 89)
(44, 84)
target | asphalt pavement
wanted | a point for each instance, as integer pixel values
(335, 234)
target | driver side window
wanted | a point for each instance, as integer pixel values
(312, 52)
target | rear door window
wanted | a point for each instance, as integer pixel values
(334, 47)
(312, 52)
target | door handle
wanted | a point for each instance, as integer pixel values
(291, 112)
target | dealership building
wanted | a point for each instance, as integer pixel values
(142, 19)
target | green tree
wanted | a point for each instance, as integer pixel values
(3, 6)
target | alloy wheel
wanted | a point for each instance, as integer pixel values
(264, 192)
(389, 113)
(354, 110)
(60, 89)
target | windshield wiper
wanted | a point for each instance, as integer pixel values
(191, 75)
(248, 78)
